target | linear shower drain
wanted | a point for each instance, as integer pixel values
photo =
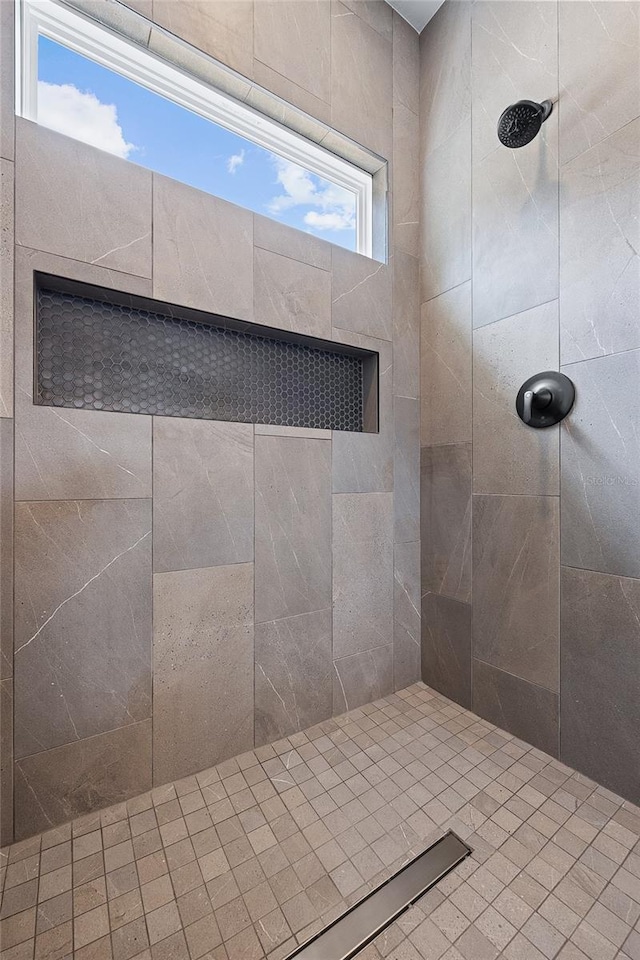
(351, 932)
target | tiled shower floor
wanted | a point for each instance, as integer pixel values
(247, 859)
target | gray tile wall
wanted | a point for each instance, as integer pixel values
(530, 262)
(255, 581)
(7, 154)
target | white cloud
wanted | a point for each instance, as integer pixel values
(235, 160)
(64, 108)
(329, 221)
(334, 207)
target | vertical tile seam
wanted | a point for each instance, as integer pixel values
(253, 612)
(153, 598)
(392, 262)
(13, 503)
(153, 604)
(560, 428)
(472, 272)
(331, 563)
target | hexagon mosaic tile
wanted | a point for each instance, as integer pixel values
(97, 355)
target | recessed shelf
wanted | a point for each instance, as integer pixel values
(101, 349)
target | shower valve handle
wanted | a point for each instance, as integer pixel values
(540, 399)
(545, 399)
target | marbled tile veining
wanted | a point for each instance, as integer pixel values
(82, 655)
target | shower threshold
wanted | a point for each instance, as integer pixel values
(352, 931)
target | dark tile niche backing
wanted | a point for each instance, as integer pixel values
(101, 349)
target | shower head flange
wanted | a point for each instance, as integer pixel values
(520, 123)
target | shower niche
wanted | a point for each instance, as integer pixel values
(102, 349)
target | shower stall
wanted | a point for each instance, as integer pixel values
(319, 460)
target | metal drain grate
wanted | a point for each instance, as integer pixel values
(351, 932)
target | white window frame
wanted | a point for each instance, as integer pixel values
(69, 27)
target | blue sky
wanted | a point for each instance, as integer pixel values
(82, 99)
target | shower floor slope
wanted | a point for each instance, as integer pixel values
(251, 858)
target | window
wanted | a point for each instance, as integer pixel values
(78, 77)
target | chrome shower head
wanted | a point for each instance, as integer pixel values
(520, 122)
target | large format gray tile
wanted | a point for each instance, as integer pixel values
(521, 708)
(445, 225)
(361, 80)
(6, 547)
(6, 288)
(445, 73)
(280, 238)
(599, 243)
(376, 13)
(291, 295)
(293, 526)
(406, 325)
(203, 493)
(82, 620)
(362, 678)
(7, 107)
(446, 647)
(222, 28)
(445, 507)
(406, 614)
(294, 39)
(362, 572)
(406, 63)
(600, 672)
(361, 294)
(515, 192)
(202, 250)
(406, 473)
(508, 456)
(106, 455)
(81, 203)
(290, 104)
(600, 461)
(406, 181)
(599, 76)
(293, 674)
(515, 55)
(6, 761)
(516, 586)
(515, 228)
(55, 786)
(363, 462)
(203, 668)
(445, 344)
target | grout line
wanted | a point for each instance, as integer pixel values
(93, 736)
(153, 603)
(558, 107)
(437, 296)
(538, 496)
(13, 523)
(472, 338)
(599, 573)
(598, 143)
(599, 356)
(515, 676)
(253, 631)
